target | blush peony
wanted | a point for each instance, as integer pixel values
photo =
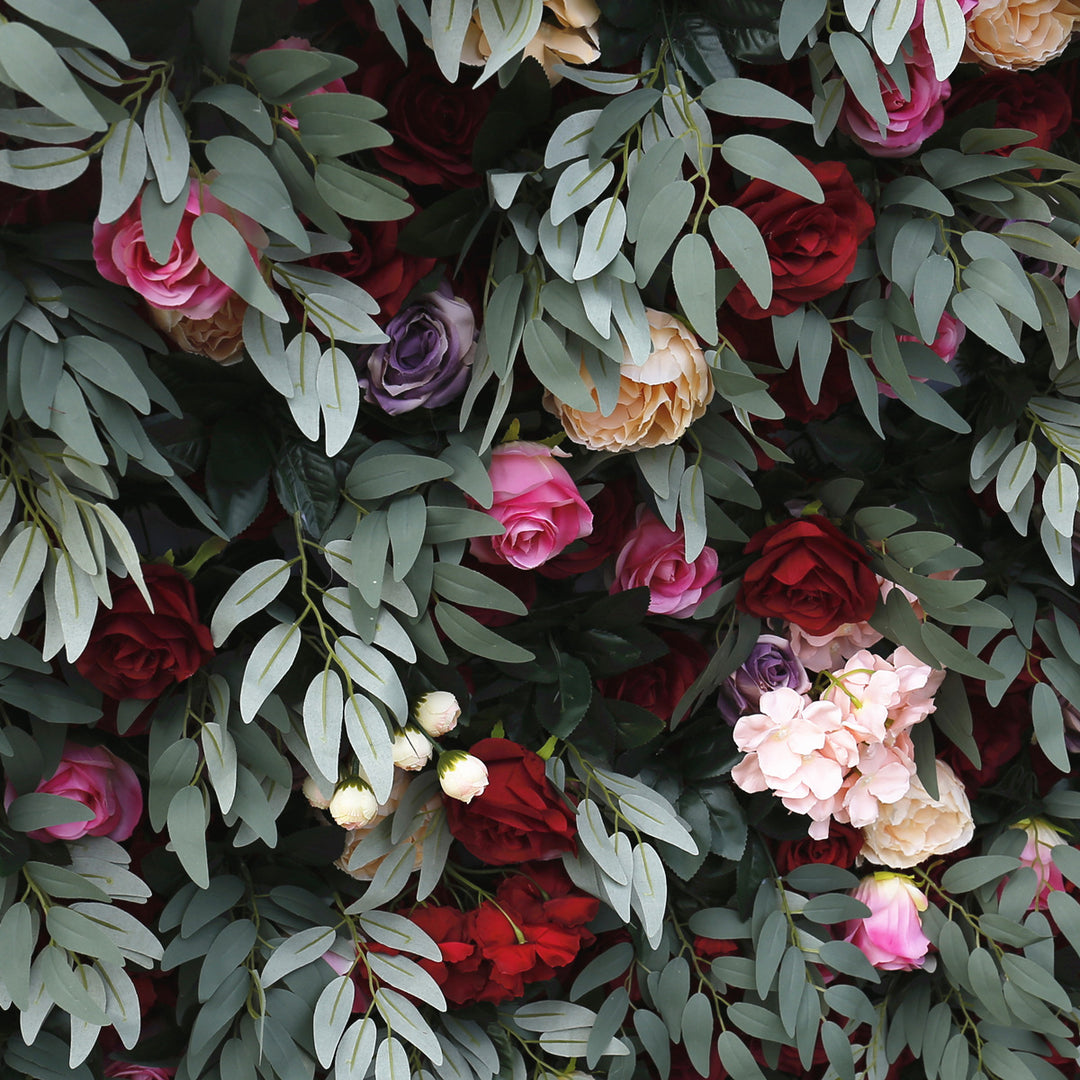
(537, 503)
(1019, 34)
(658, 400)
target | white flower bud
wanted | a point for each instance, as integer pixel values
(354, 804)
(313, 794)
(437, 712)
(461, 775)
(412, 749)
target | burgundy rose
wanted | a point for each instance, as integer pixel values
(811, 246)
(839, 848)
(519, 816)
(138, 653)
(659, 686)
(1030, 100)
(809, 573)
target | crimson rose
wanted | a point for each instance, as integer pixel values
(136, 653)
(519, 816)
(660, 685)
(808, 573)
(811, 246)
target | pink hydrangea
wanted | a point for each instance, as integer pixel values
(912, 118)
(891, 936)
(182, 283)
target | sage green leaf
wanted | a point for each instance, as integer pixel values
(21, 567)
(763, 159)
(741, 243)
(1049, 726)
(339, 124)
(392, 1061)
(858, 11)
(1015, 474)
(76, 933)
(42, 168)
(71, 420)
(360, 195)
(371, 670)
(747, 97)
(465, 631)
(78, 19)
(831, 908)
(17, 940)
(1040, 242)
(508, 26)
(121, 1003)
(470, 475)
(67, 988)
(570, 139)
(295, 952)
(407, 976)
(69, 593)
(304, 355)
(31, 64)
(860, 73)
(250, 593)
(215, 25)
(945, 32)
(265, 345)
(227, 256)
(648, 890)
(280, 75)
(577, 186)
(1033, 979)
(892, 20)
(551, 364)
(186, 822)
(357, 1046)
(970, 874)
(339, 398)
(324, 714)
(167, 145)
(560, 244)
(1004, 288)
(595, 839)
(693, 270)
(40, 366)
(331, 1015)
(38, 125)
(980, 314)
(103, 365)
(462, 585)
(1061, 492)
(370, 740)
(449, 24)
(375, 476)
(617, 118)
(267, 664)
(219, 752)
(661, 222)
(123, 169)
(240, 104)
(736, 1058)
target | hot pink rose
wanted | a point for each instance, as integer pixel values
(891, 936)
(182, 283)
(654, 555)
(912, 118)
(537, 503)
(98, 779)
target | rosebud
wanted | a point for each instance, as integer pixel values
(313, 794)
(412, 749)
(891, 936)
(1042, 839)
(437, 712)
(461, 775)
(354, 804)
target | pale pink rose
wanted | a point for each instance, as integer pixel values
(917, 827)
(182, 283)
(822, 652)
(336, 86)
(911, 120)
(891, 936)
(130, 1071)
(102, 782)
(537, 503)
(883, 776)
(1042, 838)
(653, 555)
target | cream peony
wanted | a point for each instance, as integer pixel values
(220, 337)
(658, 400)
(916, 827)
(572, 38)
(1019, 34)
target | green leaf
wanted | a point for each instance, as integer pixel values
(577, 186)
(339, 398)
(17, 939)
(267, 664)
(167, 145)
(332, 1011)
(241, 105)
(892, 20)
(186, 821)
(945, 32)
(219, 751)
(255, 589)
(339, 124)
(860, 73)
(304, 947)
(763, 159)
(551, 364)
(748, 97)
(324, 714)
(601, 239)
(42, 168)
(618, 117)
(357, 1045)
(449, 24)
(508, 26)
(374, 476)
(1015, 474)
(741, 243)
(227, 256)
(360, 195)
(30, 64)
(281, 75)
(215, 25)
(123, 169)
(969, 874)
(693, 272)
(475, 638)
(662, 220)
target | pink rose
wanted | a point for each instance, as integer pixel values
(129, 1070)
(104, 784)
(912, 118)
(182, 283)
(655, 556)
(1042, 838)
(891, 936)
(537, 503)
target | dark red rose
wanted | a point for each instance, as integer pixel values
(1031, 100)
(434, 123)
(136, 653)
(811, 246)
(808, 573)
(376, 264)
(613, 512)
(839, 848)
(710, 948)
(519, 816)
(659, 686)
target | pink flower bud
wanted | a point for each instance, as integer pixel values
(437, 713)
(462, 776)
(1042, 839)
(891, 936)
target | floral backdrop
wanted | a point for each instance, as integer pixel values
(538, 539)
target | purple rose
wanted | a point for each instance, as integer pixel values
(771, 666)
(426, 361)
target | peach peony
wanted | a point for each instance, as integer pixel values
(219, 337)
(917, 827)
(1019, 34)
(658, 400)
(573, 38)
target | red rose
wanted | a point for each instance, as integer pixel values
(434, 123)
(808, 573)
(839, 848)
(519, 816)
(811, 246)
(376, 264)
(1030, 100)
(136, 653)
(659, 686)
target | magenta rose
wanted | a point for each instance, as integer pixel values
(182, 283)
(103, 783)
(655, 556)
(537, 503)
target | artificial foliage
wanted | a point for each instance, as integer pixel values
(538, 539)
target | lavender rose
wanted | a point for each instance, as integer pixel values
(771, 666)
(426, 361)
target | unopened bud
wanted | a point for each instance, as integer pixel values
(412, 749)
(437, 713)
(354, 804)
(462, 776)
(313, 794)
